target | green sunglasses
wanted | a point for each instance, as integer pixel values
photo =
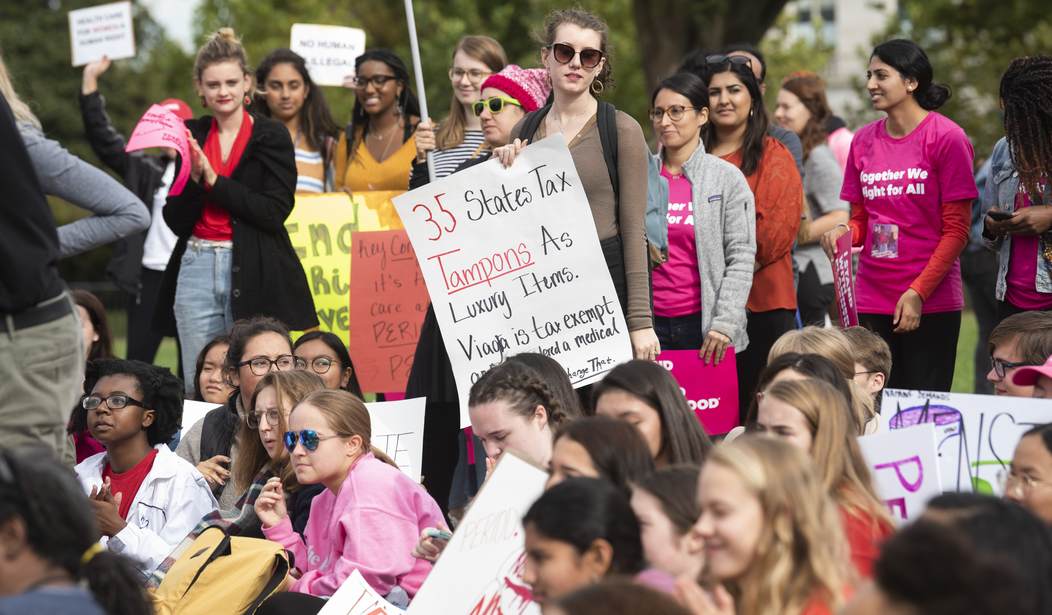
(495, 104)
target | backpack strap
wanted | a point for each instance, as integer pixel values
(607, 125)
(532, 122)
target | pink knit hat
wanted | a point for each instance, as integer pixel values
(529, 86)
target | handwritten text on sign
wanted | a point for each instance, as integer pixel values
(388, 303)
(330, 51)
(711, 390)
(843, 282)
(104, 30)
(159, 127)
(513, 264)
(905, 469)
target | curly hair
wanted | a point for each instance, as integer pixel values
(586, 21)
(811, 90)
(1026, 93)
(159, 391)
(521, 387)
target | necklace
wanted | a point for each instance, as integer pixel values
(382, 138)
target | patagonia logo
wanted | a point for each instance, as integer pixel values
(716, 199)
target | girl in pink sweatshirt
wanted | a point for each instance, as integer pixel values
(369, 517)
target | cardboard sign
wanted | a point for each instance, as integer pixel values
(844, 282)
(330, 51)
(194, 411)
(104, 30)
(711, 390)
(356, 597)
(976, 435)
(513, 264)
(905, 468)
(480, 570)
(388, 303)
(398, 430)
(159, 127)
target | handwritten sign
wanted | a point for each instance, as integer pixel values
(905, 466)
(194, 411)
(844, 282)
(357, 597)
(711, 390)
(398, 430)
(104, 30)
(513, 264)
(159, 127)
(480, 570)
(330, 51)
(976, 435)
(389, 300)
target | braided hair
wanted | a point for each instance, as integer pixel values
(1026, 93)
(521, 387)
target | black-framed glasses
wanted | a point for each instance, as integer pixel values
(494, 103)
(261, 366)
(1001, 366)
(117, 401)
(564, 54)
(378, 81)
(255, 417)
(320, 365)
(866, 373)
(719, 58)
(675, 113)
(474, 75)
(308, 437)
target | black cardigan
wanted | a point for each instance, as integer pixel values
(266, 276)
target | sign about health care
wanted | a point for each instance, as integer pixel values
(104, 30)
(330, 51)
(512, 262)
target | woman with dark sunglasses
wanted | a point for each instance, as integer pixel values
(576, 55)
(326, 355)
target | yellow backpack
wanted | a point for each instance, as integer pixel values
(222, 574)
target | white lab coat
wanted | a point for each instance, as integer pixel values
(171, 501)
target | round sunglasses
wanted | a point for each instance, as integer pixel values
(495, 104)
(564, 53)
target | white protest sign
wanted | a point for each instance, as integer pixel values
(104, 30)
(398, 430)
(194, 411)
(976, 435)
(480, 570)
(905, 468)
(330, 51)
(512, 262)
(357, 597)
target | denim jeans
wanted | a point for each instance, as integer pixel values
(679, 333)
(202, 302)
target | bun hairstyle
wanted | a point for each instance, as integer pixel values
(586, 21)
(222, 46)
(910, 60)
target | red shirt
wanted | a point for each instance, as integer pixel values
(864, 536)
(214, 224)
(128, 482)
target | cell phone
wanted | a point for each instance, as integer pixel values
(998, 215)
(439, 534)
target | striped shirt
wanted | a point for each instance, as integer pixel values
(448, 160)
(310, 171)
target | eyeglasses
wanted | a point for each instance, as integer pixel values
(320, 365)
(717, 59)
(495, 104)
(261, 366)
(564, 54)
(308, 437)
(1008, 481)
(378, 81)
(474, 75)
(254, 419)
(675, 113)
(1001, 366)
(117, 401)
(866, 373)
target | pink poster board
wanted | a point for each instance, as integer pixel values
(711, 390)
(159, 127)
(844, 282)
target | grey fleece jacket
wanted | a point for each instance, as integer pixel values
(118, 212)
(724, 234)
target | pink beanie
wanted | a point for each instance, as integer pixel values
(529, 86)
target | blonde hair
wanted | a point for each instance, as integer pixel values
(835, 346)
(838, 460)
(486, 50)
(21, 111)
(346, 415)
(802, 553)
(222, 46)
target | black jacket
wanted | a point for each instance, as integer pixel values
(266, 276)
(139, 171)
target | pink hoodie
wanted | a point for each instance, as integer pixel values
(372, 525)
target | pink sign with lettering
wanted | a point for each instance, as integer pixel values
(159, 127)
(711, 390)
(844, 283)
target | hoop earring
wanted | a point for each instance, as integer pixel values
(597, 90)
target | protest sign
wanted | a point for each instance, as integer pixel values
(330, 51)
(711, 390)
(104, 30)
(356, 597)
(480, 570)
(398, 431)
(194, 411)
(159, 127)
(905, 468)
(389, 300)
(513, 264)
(976, 435)
(844, 282)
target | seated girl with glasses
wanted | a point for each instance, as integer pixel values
(367, 518)
(326, 355)
(144, 496)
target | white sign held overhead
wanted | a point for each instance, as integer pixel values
(104, 30)
(330, 51)
(905, 467)
(398, 430)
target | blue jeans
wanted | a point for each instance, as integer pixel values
(679, 333)
(202, 302)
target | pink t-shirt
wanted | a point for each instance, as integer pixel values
(677, 282)
(1020, 286)
(902, 184)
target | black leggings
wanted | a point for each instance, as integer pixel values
(764, 329)
(923, 359)
(291, 602)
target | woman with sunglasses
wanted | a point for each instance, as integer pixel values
(700, 220)
(738, 134)
(367, 519)
(376, 150)
(326, 355)
(459, 136)
(576, 55)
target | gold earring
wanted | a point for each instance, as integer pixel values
(597, 90)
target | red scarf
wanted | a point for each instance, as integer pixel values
(214, 224)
